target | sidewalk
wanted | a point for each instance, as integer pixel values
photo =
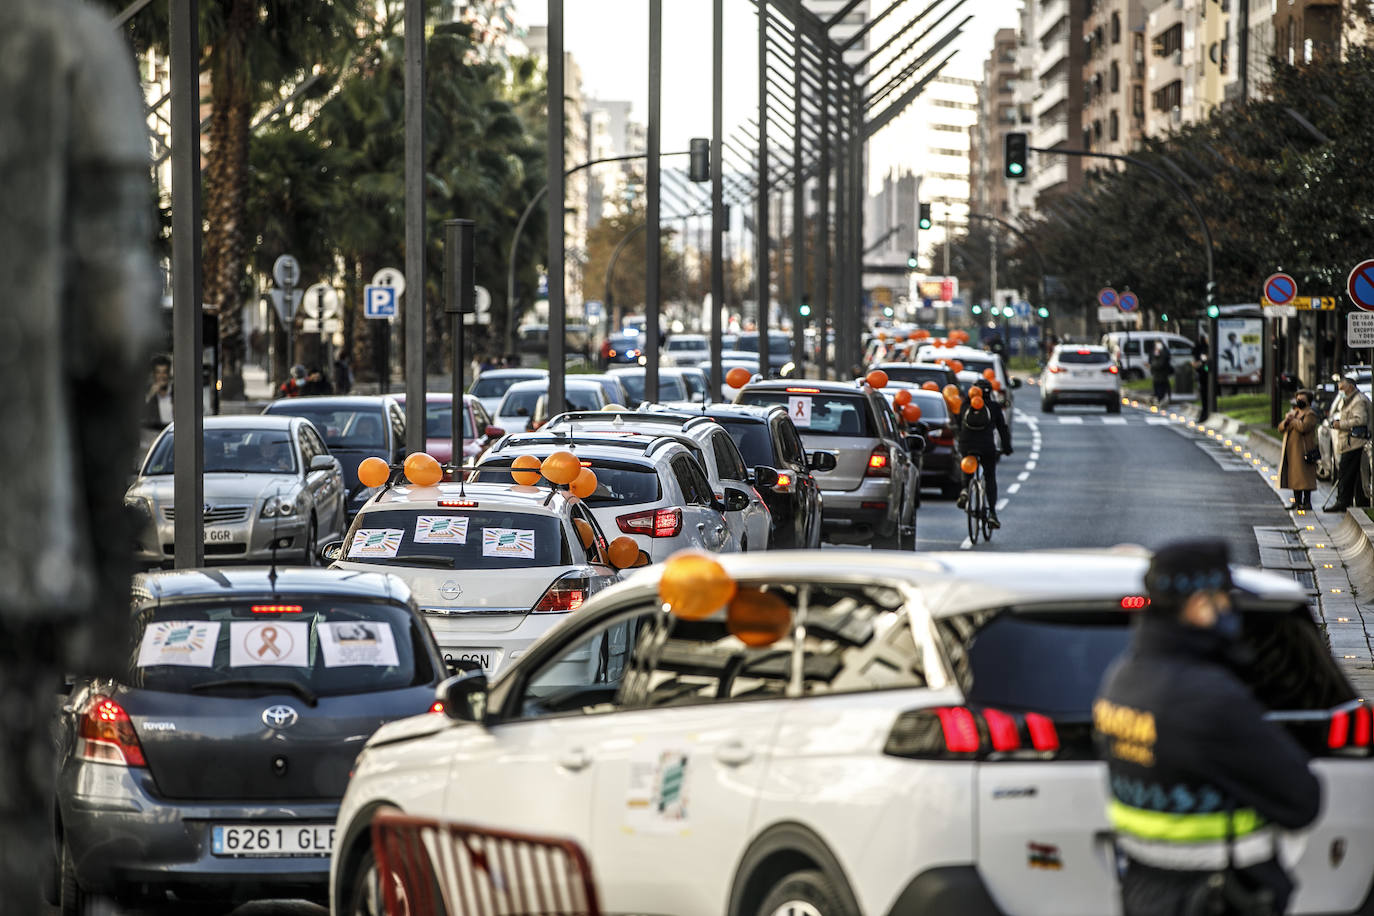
(1330, 554)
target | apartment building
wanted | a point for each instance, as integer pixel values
(1113, 75)
(998, 113)
(1188, 64)
(1057, 105)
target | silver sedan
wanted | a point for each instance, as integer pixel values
(271, 488)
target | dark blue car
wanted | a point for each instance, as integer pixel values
(212, 768)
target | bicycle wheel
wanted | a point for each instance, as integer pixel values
(974, 506)
(983, 516)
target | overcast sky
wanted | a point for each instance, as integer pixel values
(608, 38)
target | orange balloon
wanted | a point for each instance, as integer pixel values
(956, 406)
(956, 365)
(951, 392)
(694, 586)
(923, 335)
(914, 335)
(623, 552)
(961, 336)
(911, 413)
(585, 534)
(584, 484)
(758, 618)
(902, 397)
(876, 379)
(882, 335)
(737, 377)
(930, 386)
(525, 470)
(422, 470)
(976, 402)
(373, 472)
(561, 468)
(989, 374)
(969, 464)
(996, 385)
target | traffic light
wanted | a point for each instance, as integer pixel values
(924, 222)
(1043, 312)
(699, 160)
(1015, 150)
(911, 260)
(976, 309)
(805, 310)
(1213, 311)
(1163, 317)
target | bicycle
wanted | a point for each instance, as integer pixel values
(976, 507)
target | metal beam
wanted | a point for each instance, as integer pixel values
(557, 199)
(653, 187)
(876, 124)
(414, 107)
(717, 189)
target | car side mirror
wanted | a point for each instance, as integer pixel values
(1016, 383)
(464, 696)
(494, 432)
(331, 551)
(822, 461)
(323, 463)
(736, 500)
(643, 559)
(916, 444)
(764, 476)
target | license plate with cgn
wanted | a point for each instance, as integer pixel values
(272, 840)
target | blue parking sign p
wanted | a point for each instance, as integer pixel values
(379, 302)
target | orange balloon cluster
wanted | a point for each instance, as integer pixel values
(930, 386)
(758, 618)
(969, 464)
(876, 379)
(737, 377)
(694, 586)
(911, 413)
(902, 397)
(373, 472)
(422, 470)
(622, 552)
(975, 398)
(524, 470)
(561, 468)
(956, 365)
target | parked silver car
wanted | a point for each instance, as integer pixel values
(271, 486)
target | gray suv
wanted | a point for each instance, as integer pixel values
(868, 495)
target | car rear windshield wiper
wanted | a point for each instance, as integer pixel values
(424, 560)
(300, 690)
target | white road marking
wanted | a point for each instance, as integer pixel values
(1001, 504)
(1034, 455)
(1069, 421)
(1030, 465)
(1114, 421)
(1023, 476)
(966, 545)
(1014, 489)
(1157, 421)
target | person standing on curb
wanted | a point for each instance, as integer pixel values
(1200, 782)
(1296, 471)
(1161, 367)
(1352, 434)
(1201, 370)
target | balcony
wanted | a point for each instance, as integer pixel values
(1051, 96)
(1049, 16)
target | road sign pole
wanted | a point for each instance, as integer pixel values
(459, 280)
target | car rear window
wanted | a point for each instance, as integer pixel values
(457, 539)
(342, 427)
(932, 404)
(314, 646)
(439, 422)
(1084, 357)
(669, 386)
(752, 439)
(616, 483)
(520, 403)
(919, 375)
(816, 413)
(493, 386)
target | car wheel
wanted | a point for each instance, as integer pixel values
(1114, 405)
(1047, 405)
(312, 544)
(365, 890)
(804, 893)
(75, 901)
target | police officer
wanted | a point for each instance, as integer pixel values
(1199, 781)
(976, 429)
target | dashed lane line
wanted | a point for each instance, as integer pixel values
(1022, 476)
(1014, 489)
(1001, 504)
(1070, 421)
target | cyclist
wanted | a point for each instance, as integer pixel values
(976, 438)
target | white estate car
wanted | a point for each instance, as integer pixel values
(649, 487)
(520, 408)
(492, 566)
(932, 755)
(1080, 375)
(714, 450)
(685, 350)
(491, 386)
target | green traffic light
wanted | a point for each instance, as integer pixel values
(1164, 318)
(1015, 168)
(977, 310)
(1043, 312)
(805, 310)
(925, 224)
(1213, 311)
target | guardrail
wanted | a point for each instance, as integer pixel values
(429, 867)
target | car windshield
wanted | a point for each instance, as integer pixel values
(439, 422)
(493, 386)
(777, 346)
(319, 646)
(752, 439)
(977, 364)
(235, 451)
(1083, 357)
(932, 404)
(678, 343)
(815, 413)
(457, 539)
(624, 341)
(616, 482)
(342, 427)
(520, 403)
(669, 386)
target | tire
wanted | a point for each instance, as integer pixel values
(805, 893)
(1047, 405)
(891, 541)
(1114, 405)
(312, 543)
(975, 503)
(364, 890)
(73, 899)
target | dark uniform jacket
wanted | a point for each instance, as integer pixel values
(1187, 749)
(980, 442)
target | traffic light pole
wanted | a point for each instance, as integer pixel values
(1211, 393)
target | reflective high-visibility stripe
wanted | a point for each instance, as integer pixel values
(1257, 847)
(1182, 828)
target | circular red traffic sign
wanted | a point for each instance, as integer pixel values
(1360, 285)
(1280, 289)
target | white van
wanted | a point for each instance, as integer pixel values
(1135, 361)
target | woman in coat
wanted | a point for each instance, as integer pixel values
(1299, 428)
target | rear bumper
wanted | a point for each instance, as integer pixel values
(857, 511)
(124, 839)
(460, 634)
(1084, 394)
(938, 465)
(951, 889)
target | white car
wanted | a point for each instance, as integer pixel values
(490, 386)
(492, 566)
(714, 449)
(1080, 375)
(649, 487)
(975, 362)
(671, 385)
(933, 753)
(685, 350)
(519, 410)
(1132, 350)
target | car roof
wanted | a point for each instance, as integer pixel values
(961, 351)
(759, 413)
(511, 370)
(822, 385)
(340, 400)
(700, 337)
(251, 421)
(509, 495)
(436, 397)
(916, 365)
(1079, 348)
(247, 581)
(542, 384)
(594, 443)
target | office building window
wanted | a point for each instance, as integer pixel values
(1114, 126)
(1116, 77)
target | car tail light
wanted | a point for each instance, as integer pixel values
(1085, 352)
(437, 706)
(963, 733)
(458, 504)
(1134, 602)
(878, 465)
(656, 523)
(943, 436)
(1113, 370)
(784, 484)
(566, 594)
(1057, 369)
(106, 734)
(804, 390)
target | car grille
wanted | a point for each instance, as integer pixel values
(214, 515)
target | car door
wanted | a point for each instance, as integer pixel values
(316, 482)
(329, 498)
(756, 520)
(680, 774)
(788, 445)
(707, 526)
(897, 454)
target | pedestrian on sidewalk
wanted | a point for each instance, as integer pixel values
(1200, 781)
(1202, 368)
(1298, 464)
(1161, 368)
(1352, 434)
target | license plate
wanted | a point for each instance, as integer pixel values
(271, 840)
(218, 535)
(489, 659)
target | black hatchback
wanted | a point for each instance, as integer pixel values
(765, 436)
(212, 769)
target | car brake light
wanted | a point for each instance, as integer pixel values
(1113, 370)
(804, 390)
(276, 609)
(436, 706)
(1134, 602)
(959, 732)
(656, 523)
(1085, 352)
(458, 504)
(877, 463)
(1043, 735)
(1339, 731)
(566, 594)
(784, 484)
(106, 734)
(1002, 730)
(1363, 732)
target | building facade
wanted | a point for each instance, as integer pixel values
(999, 111)
(1113, 75)
(1057, 105)
(1188, 64)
